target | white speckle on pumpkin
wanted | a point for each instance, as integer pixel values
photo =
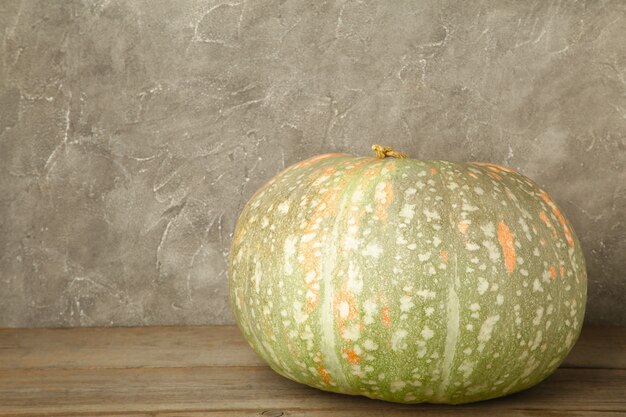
(355, 282)
(412, 246)
(344, 310)
(537, 341)
(258, 274)
(483, 285)
(397, 386)
(379, 193)
(499, 299)
(351, 243)
(426, 294)
(537, 286)
(407, 212)
(469, 207)
(431, 215)
(400, 240)
(373, 250)
(429, 311)
(436, 241)
(397, 340)
(471, 246)
(351, 332)
(484, 334)
(409, 192)
(492, 250)
(307, 237)
(283, 207)
(369, 344)
(474, 307)
(405, 303)
(289, 252)
(538, 316)
(469, 327)
(488, 229)
(479, 190)
(536, 251)
(299, 314)
(424, 256)
(310, 276)
(466, 367)
(427, 333)
(370, 309)
(357, 196)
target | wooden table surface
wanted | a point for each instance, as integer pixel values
(211, 371)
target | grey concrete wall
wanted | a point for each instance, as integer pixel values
(132, 132)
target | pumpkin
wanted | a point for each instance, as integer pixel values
(406, 280)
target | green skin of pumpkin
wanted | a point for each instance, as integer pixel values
(405, 280)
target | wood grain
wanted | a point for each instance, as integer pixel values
(211, 371)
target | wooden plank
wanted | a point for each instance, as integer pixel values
(208, 346)
(421, 411)
(249, 389)
(125, 347)
(418, 411)
(599, 347)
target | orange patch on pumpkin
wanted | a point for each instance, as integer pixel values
(493, 167)
(355, 166)
(370, 173)
(463, 227)
(433, 170)
(552, 272)
(324, 374)
(557, 213)
(352, 356)
(385, 316)
(506, 240)
(383, 197)
(444, 256)
(310, 161)
(326, 174)
(544, 218)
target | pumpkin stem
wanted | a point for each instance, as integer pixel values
(383, 152)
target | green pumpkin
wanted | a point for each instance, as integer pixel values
(406, 280)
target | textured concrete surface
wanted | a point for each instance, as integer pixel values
(131, 133)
